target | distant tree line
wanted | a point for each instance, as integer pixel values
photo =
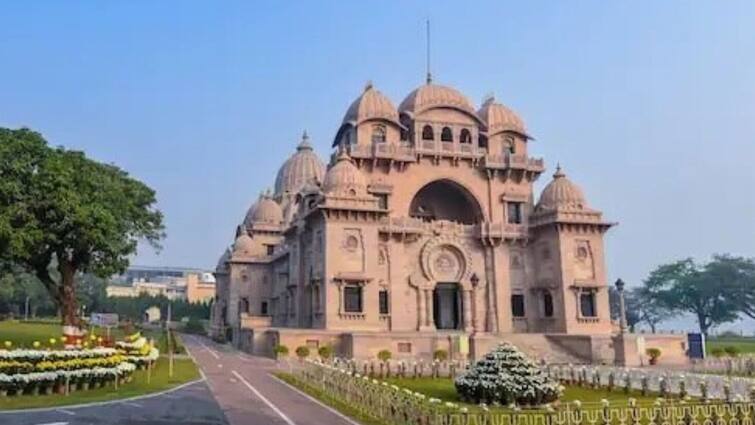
(716, 292)
(18, 288)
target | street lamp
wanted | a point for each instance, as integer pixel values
(622, 307)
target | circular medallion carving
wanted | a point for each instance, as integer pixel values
(445, 259)
(352, 243)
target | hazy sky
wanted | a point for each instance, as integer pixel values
(649, 106)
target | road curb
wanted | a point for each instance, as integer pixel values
(102, 403)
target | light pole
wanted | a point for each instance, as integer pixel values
(170, 348)
(622, 307)
(26, 308)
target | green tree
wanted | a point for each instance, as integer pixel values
(59, 207)
(686, 286)
(737, 276)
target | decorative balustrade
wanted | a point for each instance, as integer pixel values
(487, 230)
(513, 161)
(677, 382)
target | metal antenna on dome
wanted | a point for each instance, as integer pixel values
(429, 74)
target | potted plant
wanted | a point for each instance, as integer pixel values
(653, 354)
(280, 351)
(302, 352)
(440, 355)
(384, 355)
(325, 352)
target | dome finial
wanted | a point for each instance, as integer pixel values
(304, 144)
(559, 172)
(489, 98)
(368, 85)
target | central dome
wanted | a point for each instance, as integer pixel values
(431, 96)
(302, 167)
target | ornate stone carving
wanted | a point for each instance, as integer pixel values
(446, 259)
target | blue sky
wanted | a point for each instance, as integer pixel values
(649, 106)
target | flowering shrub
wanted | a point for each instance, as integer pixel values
(507, 376)
(24, 370)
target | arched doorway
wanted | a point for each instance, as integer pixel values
(447, 306)
(445, 200)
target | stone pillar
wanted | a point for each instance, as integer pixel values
(475, 314)
(422, 310)
(622, 307)
(467, 309)
(429, 309)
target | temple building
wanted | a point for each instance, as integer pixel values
(423, 232)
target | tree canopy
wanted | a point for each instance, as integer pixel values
(62, 213)
(715, 292)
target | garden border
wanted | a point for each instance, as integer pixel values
(102, 403)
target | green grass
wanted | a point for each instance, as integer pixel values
(743, 344)
(339, 405)
(443, 388)
(184, 371)
(23, 334)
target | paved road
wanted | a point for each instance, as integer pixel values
(249, 395)
(190, 405)
(237, 390)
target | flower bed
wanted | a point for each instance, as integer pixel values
(46, 371)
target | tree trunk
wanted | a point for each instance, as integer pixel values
(67, 288)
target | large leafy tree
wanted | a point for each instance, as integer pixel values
(704, 290)
(62, 214)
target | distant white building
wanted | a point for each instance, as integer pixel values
(173, 283)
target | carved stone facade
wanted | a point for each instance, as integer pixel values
(421, 233)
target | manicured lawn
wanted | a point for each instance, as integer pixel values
(743, 344)
(443, 388)
(184, 371)
(23, 334)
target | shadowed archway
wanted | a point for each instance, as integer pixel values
(445, 200)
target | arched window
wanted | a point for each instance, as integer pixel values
(547, 304)
(446, 135)
(509, 146)
(378, 133)
(427, 133)
(466, 136)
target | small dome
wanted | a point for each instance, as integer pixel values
(221, 266)
(267, 211)
(249, 217)
(302, 167)
(372, 104)
(431, 96)
(244, 245)
(561, 193)
(500, 118)
(344, 178)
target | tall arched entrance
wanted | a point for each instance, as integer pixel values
(445, 200)
(447, 306)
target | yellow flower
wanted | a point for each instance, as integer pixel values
(93, 337)
(53, 341)
(8, 344)
(36, 344)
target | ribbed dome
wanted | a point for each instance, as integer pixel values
(372, 104)
(500, 118)
(435, 96)
(249, 217)
(267, 211)
(344, 178)
(302, 167)
(244, 245)
(561, 193)
(221, 266)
